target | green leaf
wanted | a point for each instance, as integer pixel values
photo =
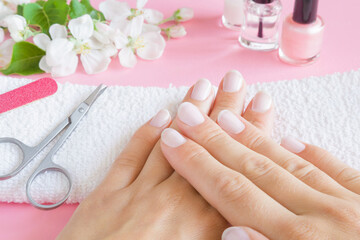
(25, 59)
(95, 14)
(46, 14)
(77, 9)
(41, 2)
(20, 9)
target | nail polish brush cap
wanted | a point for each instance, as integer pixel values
(263, 1)
(305, 11)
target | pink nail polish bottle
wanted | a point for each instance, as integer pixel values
(302, 34)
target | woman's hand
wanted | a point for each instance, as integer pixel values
(293, 191)
(143, 198)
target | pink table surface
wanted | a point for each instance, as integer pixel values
(208, 51)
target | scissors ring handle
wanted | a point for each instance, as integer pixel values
(26, 150)
(53, 167)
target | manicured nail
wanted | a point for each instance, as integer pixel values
(292, 144)
(160, 119)
(235, 233)
(172, 138)
(230, 122)
(201, 90)
(190, 114)
(233, 81)
(261, 102)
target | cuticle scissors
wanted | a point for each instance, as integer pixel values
(47, 164)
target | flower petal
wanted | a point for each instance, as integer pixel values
(150, 28)
(42, 40)
(153, 46)
(57, 31)
(4, 12)
(140, 4)
(127, 58)
(44, 66)
(58, 50)
(177, 31)
(67, 68)
(153, 16)
(130, 28)
(120, 40)
(95, 61)
(6, 49)
(82, 27)
(2, 35)
(114, 9)
(16, 25)
(110, 50)
(184, 14)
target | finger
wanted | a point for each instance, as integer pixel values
(268, 176)
(230, 95)
(260, 112)
(254, 139)
(242, 233)
(130, 162)
(338, 170)
(157, 167)
(232, 194)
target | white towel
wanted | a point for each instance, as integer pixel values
(321, 110)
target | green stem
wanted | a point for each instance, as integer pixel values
(166, 20)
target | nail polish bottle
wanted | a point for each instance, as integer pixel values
(302, 34)
(233, 14)
(261, 24)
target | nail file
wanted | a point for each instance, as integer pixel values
(31, 92)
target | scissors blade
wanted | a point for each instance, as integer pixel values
(95, 94)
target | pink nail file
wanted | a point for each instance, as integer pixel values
(18, 97)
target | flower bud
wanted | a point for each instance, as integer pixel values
(183, 14)
(177, 31)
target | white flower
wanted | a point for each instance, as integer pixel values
(5, 11)
(6, 49)
(148, 45)
(2, 35)
(94, 57)
(176, 31)
(60, 59)
(16, 24)
(183, 14)
(17, 2)
(119, 11)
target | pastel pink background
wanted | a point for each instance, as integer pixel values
(208, 51)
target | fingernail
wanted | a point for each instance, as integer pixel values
(190, 114)
(261, 102)
(233, 81)
(160, 119)
(230, 123)
(201, 90)
(172, 138)
(292, 144)
(235, 233)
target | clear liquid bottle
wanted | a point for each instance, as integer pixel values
(260, 30)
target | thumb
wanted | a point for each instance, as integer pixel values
(242, 233)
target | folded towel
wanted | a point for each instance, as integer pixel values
(320, 110)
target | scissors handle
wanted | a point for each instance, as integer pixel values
(27, 156)
(48, 165)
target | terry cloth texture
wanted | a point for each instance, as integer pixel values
(324, 111)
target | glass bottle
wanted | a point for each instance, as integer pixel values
(260, 30)
(233, 14)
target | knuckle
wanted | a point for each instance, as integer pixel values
(348, 175)
(214, 136)
(256, 167)
(194, 154)
(256, 141)
(145, 137)
(232, 188)
(127, 160)
(343, 212)
(302, 170)
(303, 229)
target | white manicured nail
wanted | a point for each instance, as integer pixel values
(160, 119)
(190, 114)
(233, 81)
(172, 138)
(201, 90)
(261, 102)
(292, 144)
(235, 233)
(230, 122)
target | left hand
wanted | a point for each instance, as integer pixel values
(294, 191)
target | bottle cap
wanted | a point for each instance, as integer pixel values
(305, 11)
(263, 1)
